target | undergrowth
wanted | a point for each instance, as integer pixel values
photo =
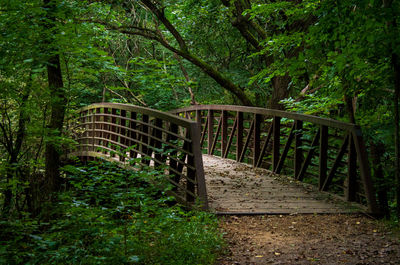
(109, 215)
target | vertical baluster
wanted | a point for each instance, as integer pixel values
(210, 130)
(224, 131)
(173, 164)
(106, 128)
(93, 129)
(298, 152)
(351, 172)
(239, 136)
(133, 135)
(256, 138)
(145, 140)
(122, 136)
(157, 143)
(323, 155)
(113, 131)
(277, 142)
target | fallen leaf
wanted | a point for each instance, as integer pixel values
(277, 254)
(259, 256)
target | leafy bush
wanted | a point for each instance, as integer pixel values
(109, 215)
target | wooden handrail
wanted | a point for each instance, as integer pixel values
(291, 143)
(128, 133)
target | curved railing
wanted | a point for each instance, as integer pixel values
(132, 134)
(322, 151)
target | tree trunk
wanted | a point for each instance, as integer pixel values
(57, 107)
(396, 66)
(377, 151)
(280, 91)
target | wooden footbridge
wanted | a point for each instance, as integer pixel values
(265, 155)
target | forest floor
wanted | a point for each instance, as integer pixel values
(308, 239)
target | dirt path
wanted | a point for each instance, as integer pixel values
(308, 239)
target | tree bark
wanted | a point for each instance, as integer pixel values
(377, 151)
(57, 107)
(392, 26)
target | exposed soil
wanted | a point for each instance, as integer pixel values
(308, 239)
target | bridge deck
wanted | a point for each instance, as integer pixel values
(238, 188)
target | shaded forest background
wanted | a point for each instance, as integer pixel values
(337, 59)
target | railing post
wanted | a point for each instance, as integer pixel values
(122, 136)
(210, 133)
(145, 139)
(198, 117)
(224, 131)
(133, 135)
(277, 142)
(351, 181)
(155, 143)
(256, 138)
(92, 112)
(106, 128)
(298, 151)
(365, 170)
(323, 156)
(113, 130)
(198, 164)
(239, 135)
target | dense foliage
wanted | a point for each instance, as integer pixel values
(108, 215)
(333, 58)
